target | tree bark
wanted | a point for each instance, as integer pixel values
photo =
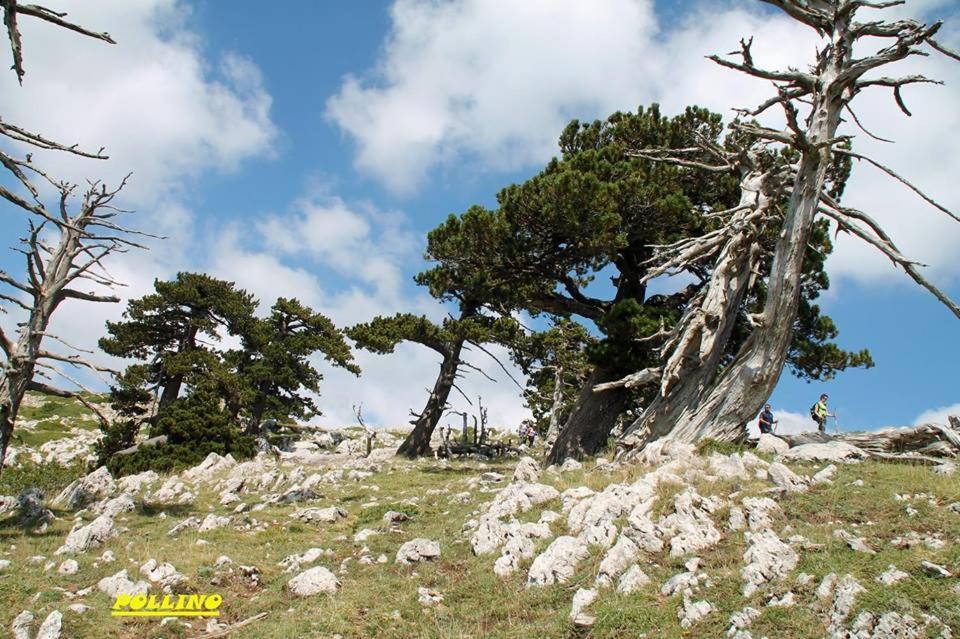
(417, 443)
(592, 419)
(554, 429)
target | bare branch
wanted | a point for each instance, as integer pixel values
(944, 50)
(890, 250)
(640, 378)
(901, 179)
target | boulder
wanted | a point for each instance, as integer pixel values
(82, 538)
(50, 628)
(558, 563)
(86, 490)
(772, 444)
(768, 558)
(527, 470)
(834, 451)
(632, 579)
(22, 626)
(120, 584)
(314, 581)
(323, 515)
(417, 550)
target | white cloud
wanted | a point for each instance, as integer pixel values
(490, 78)
(495, 82)
(937, 415)
(157, 105)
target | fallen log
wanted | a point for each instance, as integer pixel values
(223, 632)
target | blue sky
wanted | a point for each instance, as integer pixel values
(308, 147)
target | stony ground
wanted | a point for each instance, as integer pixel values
(715, 543)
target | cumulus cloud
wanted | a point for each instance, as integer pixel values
(493, 83)
(158, 106)
(937, 415)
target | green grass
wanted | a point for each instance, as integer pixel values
(381, 599)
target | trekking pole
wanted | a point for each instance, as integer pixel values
(836, 422)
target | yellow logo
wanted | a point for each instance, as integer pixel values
(167, 606)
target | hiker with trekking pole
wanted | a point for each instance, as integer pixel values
(820, 413)
(767, 421)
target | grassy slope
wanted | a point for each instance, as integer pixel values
(381, 600)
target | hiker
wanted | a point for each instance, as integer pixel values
(766, 420)
(531, 434)
(819, 412)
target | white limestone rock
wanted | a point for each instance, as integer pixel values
(82, 538)
(527, 470)
(417, 550)
(68, 567)
(314, 581)
(581, 600)
(328, 515)
(86, 490)
(786, 478)
(768, 558)
(212, 522)
(835, 451)
(120, 584)
(22, 626)
(136, 483)
(558, 562)
(427, 597)
(633, 579)
(891, 576)
(772, 444)
(616, 561)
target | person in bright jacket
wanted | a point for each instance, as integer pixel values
(819, 412)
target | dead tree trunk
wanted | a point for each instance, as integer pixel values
(417, 443)
(592, 419)
(721, 411)
(556, 405)
(85, 239)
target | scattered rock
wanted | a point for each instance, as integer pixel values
(82, 538)
(187, 524)
(772, 444)
(418, 550)
(313, 581)
(394, 517)
(786, 478)
(323, 515)
(50, 628)
(86, 490)
(581, 600)
(68, 567)
(767, 558)
(570, 464)
(844, 598)
(858, 544)
(558, 562)
(834, 451)
(428, 597)
(633, 579)
(617, 560)
(120, 584)
(824, 476)
(693, 611)
(891, 576)
(23, 625)
(527, 470)
(935, 570)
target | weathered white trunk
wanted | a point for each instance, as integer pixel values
(723, 410)
(554, 429)
(705, 329)
(16, 378)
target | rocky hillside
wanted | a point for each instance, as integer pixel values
(713, 543)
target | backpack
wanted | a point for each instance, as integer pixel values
(813, 411)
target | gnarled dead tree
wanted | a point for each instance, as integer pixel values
(813, 102)
(65, 247)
